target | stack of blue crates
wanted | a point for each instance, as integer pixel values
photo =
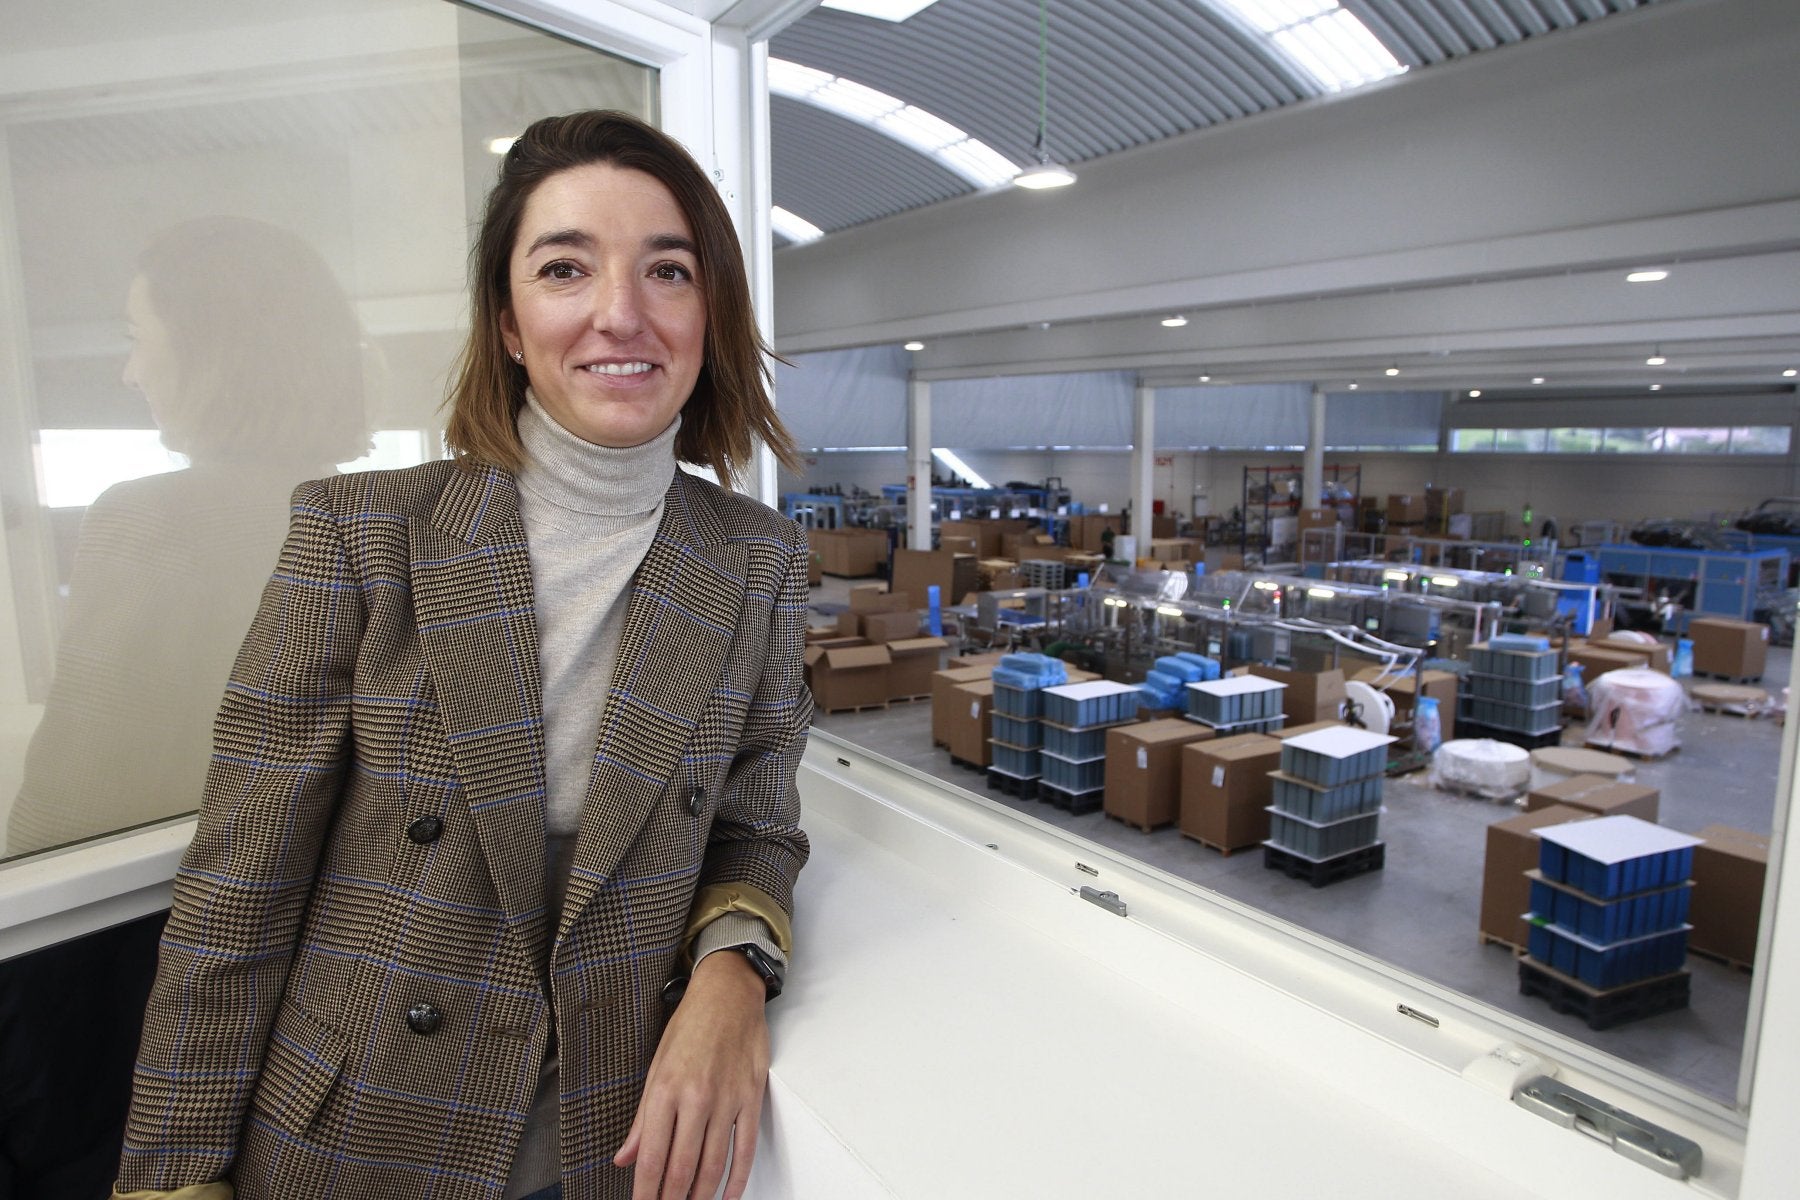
(1017, 735)
(1076, 718)
(1513, 686)
(1237, 704)
(1327, 794)
(1165, 685)
(1609, 901)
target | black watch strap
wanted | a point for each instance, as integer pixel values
(773, 976)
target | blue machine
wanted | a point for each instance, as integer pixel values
(1707, 583)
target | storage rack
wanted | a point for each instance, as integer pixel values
(1271, 492)
(1327, 805)
(1512, 693)
(1607, 936)
(1075, 720)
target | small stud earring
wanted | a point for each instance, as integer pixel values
(519, 357)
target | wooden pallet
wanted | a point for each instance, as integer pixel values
(908, 699)
(1741, 680)
(1723, 961)
(1624, 753)
(1140, 827)
(1488, 939)
(1224, 851)
(856, 708)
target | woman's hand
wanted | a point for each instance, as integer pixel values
(703, 1097)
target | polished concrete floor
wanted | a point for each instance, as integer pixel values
(1420, 912)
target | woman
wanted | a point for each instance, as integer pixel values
(512, 740)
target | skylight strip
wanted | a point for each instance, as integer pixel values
(957, 465)
(926, 132)
(1320, 38)
(793, 228)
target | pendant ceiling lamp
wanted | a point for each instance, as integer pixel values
(1045, 174)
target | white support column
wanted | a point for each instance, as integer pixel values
(1143, 465)
(1312, 464)
(918, 464)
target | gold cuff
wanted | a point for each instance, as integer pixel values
(715, 900)
(218, 1190)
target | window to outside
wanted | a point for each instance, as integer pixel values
(236, 238)
(1705, 439)
(1519, 441)
(1472, 440)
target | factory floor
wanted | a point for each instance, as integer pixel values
(1420, 912)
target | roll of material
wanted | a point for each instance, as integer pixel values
(1481, 767)
(1637, 711)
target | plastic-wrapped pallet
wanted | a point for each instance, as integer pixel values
(1209, 667)
(1481, 766)
(1160, 690)
(1635, 710)
(1019, 681)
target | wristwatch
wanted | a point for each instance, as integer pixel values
(770, 970)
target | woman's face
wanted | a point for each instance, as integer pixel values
(150, 368)
(606, 303)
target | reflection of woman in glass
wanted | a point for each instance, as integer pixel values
(250, 358)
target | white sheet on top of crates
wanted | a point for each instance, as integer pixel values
(1602, 947)
(1342, 742)
(1090, 689)
(1616, 839)
(1237, 685)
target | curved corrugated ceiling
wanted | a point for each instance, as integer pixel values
(1122, 73)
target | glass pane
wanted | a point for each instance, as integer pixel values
(1632, 441)
(1574, 441)
(1519, 441)
(1471, 440)
(1760, 439)
(1696, 441)
(232, 247)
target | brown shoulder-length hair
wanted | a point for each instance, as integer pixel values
(730, 405)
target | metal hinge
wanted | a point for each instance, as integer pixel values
(1655, 1147)
(1108, 900)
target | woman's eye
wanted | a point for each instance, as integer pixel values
(562, 268)
(671, 270)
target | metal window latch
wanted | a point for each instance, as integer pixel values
(1653, 1146)
(1108, 900)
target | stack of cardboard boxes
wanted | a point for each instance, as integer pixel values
(852, 553)
(1735, 651)
(874, 656)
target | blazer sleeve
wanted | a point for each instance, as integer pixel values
(756, 847)
(279, 755)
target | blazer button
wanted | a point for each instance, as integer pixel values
(696, 801)
(425, 830)
(424, 1019)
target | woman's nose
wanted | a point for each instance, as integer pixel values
(618, 306)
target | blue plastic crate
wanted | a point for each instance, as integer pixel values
(1099, 702)
(1018, 702)
(1607, 921)
(1316, 840)
(1610, 857)
(1075, 743)
(1179, 668)
(1603, 967)
(1489, 658)
(1310, 802)
(1074, 775)
(1014, 761)
(1209, 667)
(1530, 693)
(1024, 732)
(1234, 700)
(1330, 757)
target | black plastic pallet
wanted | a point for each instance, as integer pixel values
(1077, 803)
(966, 765)
(1512, 737)
(1603, 1010)
(1012, 785)
(1331, 870)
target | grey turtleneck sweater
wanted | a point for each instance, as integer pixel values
(590, 514)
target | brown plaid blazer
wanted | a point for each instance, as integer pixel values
(371, 842)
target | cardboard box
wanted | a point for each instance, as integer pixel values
(1225, 789)
(815, 569)
(1182, 551)
(1596, 661)
(943, 686)
(968, 721)
(1729, 869)
(1441, 502)
(890, 626)
(877, 598)
(1310, 727)
(915, 660)
(960, 545)
(850, 552)
(1654, 657)
(954, 575)
(850, 677)
(1598, 795)
(1143, 770)
(1734, 649)
(987, 532)
(1406, 508)
(1318, 518)
(1512, 850)
(1310, 696)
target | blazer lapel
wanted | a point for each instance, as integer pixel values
(472, 597)
(685, 602)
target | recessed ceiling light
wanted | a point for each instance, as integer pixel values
(1652, 276)
(1175, 322)
(1474, 393)
(915, 346)
(1656, 387)
(1656, 358)
(1788, 374)
(1392, 371)
(1208, 378)
(1354, 386)
(1537, 379)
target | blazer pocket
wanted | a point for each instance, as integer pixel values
(304, 1058)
